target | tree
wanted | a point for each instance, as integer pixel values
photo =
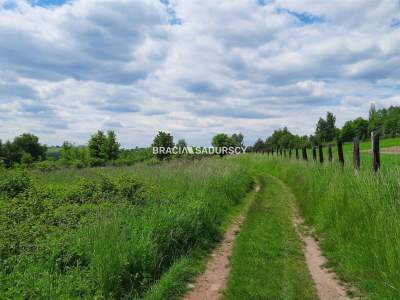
(326, 130)
(237, 139)
(163, 141)
(104, 147)
(222, 140)
(331, 126)
(111, 146)
(360, 126)
(1, 151)
(29, 144)
(259, 146)
(96, 145)
(66, 151)
(372, 111)
(181, 144)
(347, 133)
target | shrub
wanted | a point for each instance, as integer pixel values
(14, 183)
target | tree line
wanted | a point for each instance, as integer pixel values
(103, 148)
(384, 121)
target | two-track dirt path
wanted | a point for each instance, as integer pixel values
(211, 283)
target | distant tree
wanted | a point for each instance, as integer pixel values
(163, 140)
(259, 146)
(223, 140)
(237, 139)
(181, 144)
(372, 111)
(361, 128)
(111, 146)
(331, 126)
(347, 133)
(281, 138)
(104, 147)
(356, 128)
(29, 143)
(66, 151)
(96, 145)
(325, 129)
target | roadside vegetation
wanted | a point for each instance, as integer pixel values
(355, 215)
(112, 233)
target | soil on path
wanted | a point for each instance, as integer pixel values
(212, 282)
(388, 150)
(328, 286)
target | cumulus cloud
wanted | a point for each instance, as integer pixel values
(194, 68)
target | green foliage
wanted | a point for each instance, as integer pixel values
(14, 183)
(103, 147)
(284, 139)
(181, 144)
(223, 140)
(163, 140)
(259, 146)
(326, 129)
(355, 214)
(24, 149)
(132, 156)
(108, 234)
(356, 128)
(385, 121)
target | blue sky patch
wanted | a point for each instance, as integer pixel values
(46, 3)
(395, 23)
(173, 19)
(303, 17)
(262, 2)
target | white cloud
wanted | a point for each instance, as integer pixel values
(69, 70)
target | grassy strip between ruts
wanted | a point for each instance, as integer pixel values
(174, 283)
(267, 260)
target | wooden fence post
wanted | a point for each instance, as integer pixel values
(314, 153)
(321, 154)
(340, 153)
(330, 155)
(356, 153)
(376, 157)
(304, 150)
(297, 153)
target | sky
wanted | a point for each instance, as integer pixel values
(192, 68)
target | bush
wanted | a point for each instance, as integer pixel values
(46, 166)
(14, 183)
(112, 236)
(97, 162)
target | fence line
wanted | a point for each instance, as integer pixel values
(375, 150)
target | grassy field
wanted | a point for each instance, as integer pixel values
(267, 260)
(113, 233)
(355, 215)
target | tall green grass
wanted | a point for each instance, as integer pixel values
(355, 214)
(110, 233)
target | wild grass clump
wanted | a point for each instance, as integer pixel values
(356, 214)
(111, 233)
